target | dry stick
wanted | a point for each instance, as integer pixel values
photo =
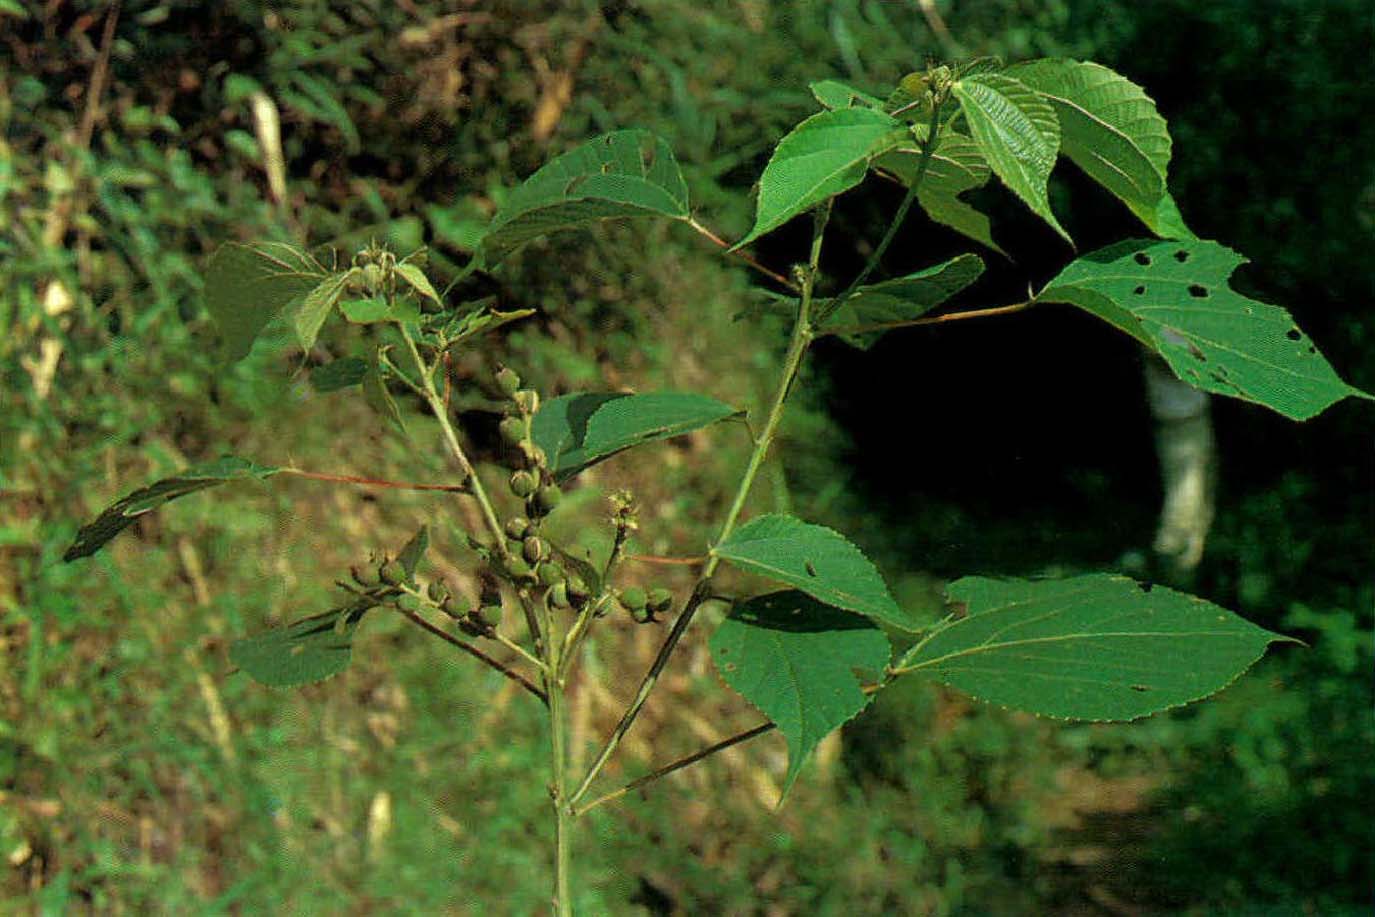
(474, 651)
(675, 766)
(374, 482)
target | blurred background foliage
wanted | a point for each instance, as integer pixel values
(138, 775)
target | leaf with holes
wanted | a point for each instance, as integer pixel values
(1018, 134)
(795, 660)
(622, 174)
(304, 651)
(1109, 128)
(900, 299)
(819, 561)
(825, 155)
(956, 166)
(1174, 298)
(1095, 647)
(96, 534)
(315, 307)
(579, 430)
(248, 285)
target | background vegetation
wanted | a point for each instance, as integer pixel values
(137, 775)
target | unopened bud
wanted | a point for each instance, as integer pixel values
(507, 381)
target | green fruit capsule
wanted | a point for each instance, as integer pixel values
(642, 615)
(507, 381)
(633, 599)
(364, 577)
(558, 595)
(519, 569)
(392, 573)
(550, 573)
(523, 484)
(489, 615)
(535, 549)
(512, 430)
(517, 528)
(577, 588)
(660, 599)
(548, 497)
(453, 609)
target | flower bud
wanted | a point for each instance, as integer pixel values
(633, 599)
(512, 430)
(527, 400)
(523, 484)
(507, 381)
(517, 527)
(518, 568)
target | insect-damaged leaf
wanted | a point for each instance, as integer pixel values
(248, 285)
(819, 561)
(1174, 298)
(579, 430)
(622, 174)
(795, 660)
(304, 651)
(1095, 647)
(120, 515)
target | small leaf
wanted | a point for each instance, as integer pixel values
(1018, 134)
(248, 285)
(316, 306)
(120, 515)
(579, 430)
(823, 156)
(415, 278)
(902, 298)
(795, 659)
(817, 560)
(834, 94)
(337, 374)
(376, 395)
(1109, 127)
(956, 166)
(622, 174)
(410, 555)
(302, 652)
(366, 311)
(482, 319)
(1174, 298)
(1096, 647)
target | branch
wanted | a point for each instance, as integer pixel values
(475, 652)
(375, 482)
(933, 320)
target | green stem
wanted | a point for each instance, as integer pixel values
(792, 364)
(558, 753)
(928, 149)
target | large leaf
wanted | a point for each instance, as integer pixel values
(1109, 128)
(248, 285)
(579, 430)
(119, 516)
(795, 659)
(823, 156)
(317, 305)
(817, 560)
(1095, 647)
(304, 651)
(621, 174)
(902, 298)
(1018, 134)
(956, 166)
(1173, 297)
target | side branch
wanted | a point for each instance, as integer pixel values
(375, 482)
(476, 653)
(930, 320)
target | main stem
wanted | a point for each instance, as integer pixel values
(792, 364)
(558, 790)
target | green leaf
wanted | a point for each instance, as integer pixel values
(795, 659)
(834, 94)
(459, 328)
(1164, 219)
(817, 560)
(1018, 134)
(377, 396)
(248, 285)
(316, 306)
(1109, 127)
(579, 430)
(823, 156)
(622, 174)
(414, 550)
(1174, 298)
(957, 166)
(415, 278)
(337, 374)
(1095, 647)
(903, 298)
(302, 652)
(120, 515)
